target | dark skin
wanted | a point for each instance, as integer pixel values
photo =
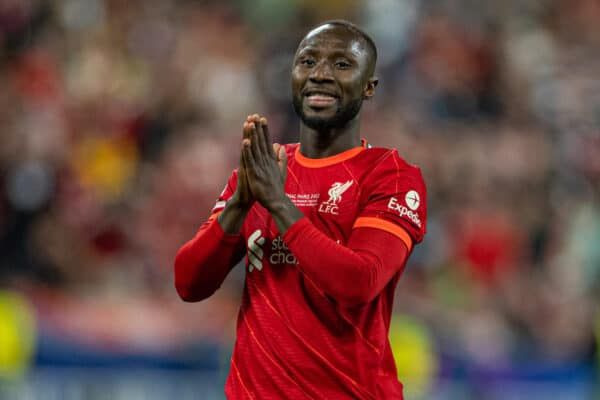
(332, 74)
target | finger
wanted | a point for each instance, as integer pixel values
(246, 130)
(244, 171)
(262, 143)
(282, 160)
(250, 123)
(246, 143)
(244, 140)
(265, 128)
(247, 156)
(255, 144)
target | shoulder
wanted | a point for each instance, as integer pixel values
(383, 161)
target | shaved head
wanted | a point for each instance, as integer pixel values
(362, 37)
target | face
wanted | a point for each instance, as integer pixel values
(331, 77)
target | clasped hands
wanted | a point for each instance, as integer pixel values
(263, 167)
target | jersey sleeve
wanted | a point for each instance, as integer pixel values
(226, 194)
(202, 264)
(394, 199)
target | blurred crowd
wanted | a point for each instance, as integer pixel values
(120, 121)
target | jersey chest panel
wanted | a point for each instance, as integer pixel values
(328, 197)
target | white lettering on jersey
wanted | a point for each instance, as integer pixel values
(304, 199)
(280, 253)
(403, 211)
(335, 196)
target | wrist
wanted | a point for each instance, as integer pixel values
(284, 213)
(279, 205)
(233, 216)
(236, 203)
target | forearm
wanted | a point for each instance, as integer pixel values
(352, 274)
(233, 216)
(202, 264)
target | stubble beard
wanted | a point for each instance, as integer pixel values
(324, 124)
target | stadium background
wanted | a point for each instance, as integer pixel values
(120, 121)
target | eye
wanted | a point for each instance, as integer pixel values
(341, 64)
(309, 62)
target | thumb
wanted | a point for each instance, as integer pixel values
(282, 160)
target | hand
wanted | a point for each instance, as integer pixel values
(265, 165)
(243, 194)
(233, 216)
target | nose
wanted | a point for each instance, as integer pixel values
(322, 72)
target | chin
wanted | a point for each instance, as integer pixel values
(324, 123)
(319, 123)
(326, 119)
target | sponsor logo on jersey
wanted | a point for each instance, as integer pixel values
(255, 251)
(412, 201)
(335, 196)
(280, 254)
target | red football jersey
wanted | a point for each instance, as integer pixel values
(294, 340)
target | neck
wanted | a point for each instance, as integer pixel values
(326, 143)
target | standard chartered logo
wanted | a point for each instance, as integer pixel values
(280, 254)
(255, 251)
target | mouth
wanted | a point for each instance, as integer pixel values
(320, 98)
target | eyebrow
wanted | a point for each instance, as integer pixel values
(335, 53)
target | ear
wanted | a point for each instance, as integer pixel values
(370, 88)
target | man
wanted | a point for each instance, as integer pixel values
(327, 235)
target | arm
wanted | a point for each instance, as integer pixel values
(352, 274)
(202, 264)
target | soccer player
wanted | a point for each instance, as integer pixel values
(327, 226)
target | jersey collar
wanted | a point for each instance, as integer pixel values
(326, 161)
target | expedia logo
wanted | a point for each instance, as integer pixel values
(412, 199)
(403, 211)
